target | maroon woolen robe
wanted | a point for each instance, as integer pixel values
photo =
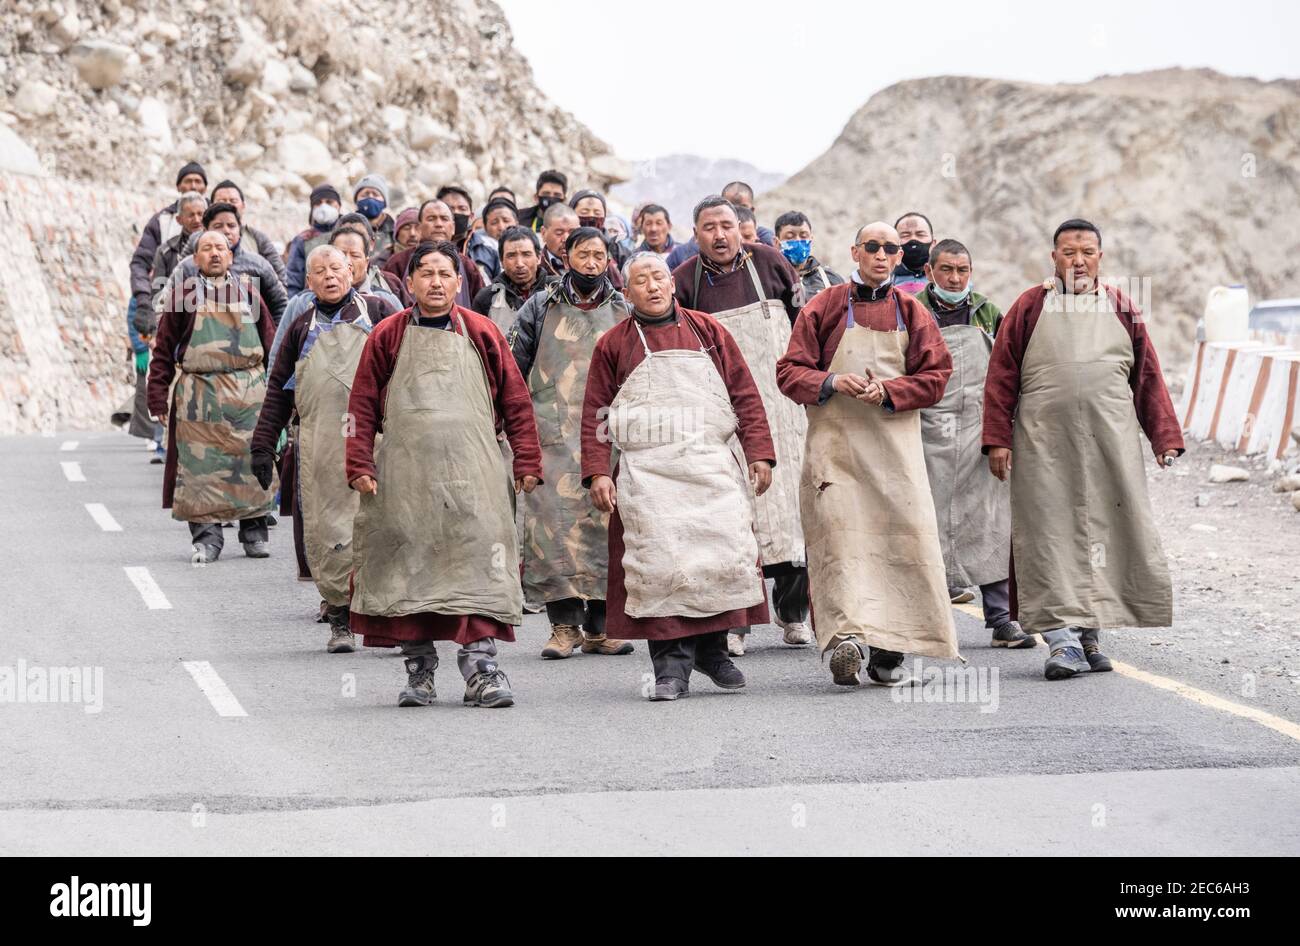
(512, 407)
(821, 324)
(617, 353)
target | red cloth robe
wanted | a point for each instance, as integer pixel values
(820, 326)
(513, 412)
(175, 325)
(617, 353)
(1151, 402)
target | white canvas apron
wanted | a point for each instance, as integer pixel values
(566, 539)
(875, 570)
(973, 507)
(329, 506)
(440, 535)
(685, 501)
(1087, 552)
(762, 332)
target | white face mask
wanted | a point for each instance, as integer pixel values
(324, 214)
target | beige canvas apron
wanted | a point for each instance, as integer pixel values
(762, 332)
(972, 506)
(875, 570)
(566, 539)
(440, 535)
(216, 401)
(687, 508)
(322, 386)
(1087, 552)
(500, 312)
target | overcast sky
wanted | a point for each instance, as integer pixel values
(773, 82)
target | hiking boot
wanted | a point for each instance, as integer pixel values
(204, 554)
(1011, 635)
(1065, 661)
(668, 689)
(564, 637)
(735, 645)
(606, 646)
(724, 674)
(961, 595)
(795, 633)
(846, 661)
(886, 676)
(257, 549)
(1097, 661)
(342, 640)
(419, 682)
(490, 687)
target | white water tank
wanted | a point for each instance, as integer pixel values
(1227, 314)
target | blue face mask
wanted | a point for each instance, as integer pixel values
(370, 207)
(947, 297)
(796, 251)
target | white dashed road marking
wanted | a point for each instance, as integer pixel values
(68, 445)
(99, 512)
(73, 472)
(214, 688)
(153, 597)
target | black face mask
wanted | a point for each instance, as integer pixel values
(461, 222)
(585, 284)
(915, 255)
(544, 202)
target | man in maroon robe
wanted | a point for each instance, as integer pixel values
(434, 281)
(677, 644)
(436, 223)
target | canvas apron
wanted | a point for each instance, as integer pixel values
(566, 539)
(689, 548)
(973, 507)
(215, 402)
(762, 332)
(440, 535)
(328, 505)
(875, 569)
(1087, 552)
(500, 312)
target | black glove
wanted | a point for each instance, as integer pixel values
(264, 468)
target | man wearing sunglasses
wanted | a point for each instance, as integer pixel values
(864, 359)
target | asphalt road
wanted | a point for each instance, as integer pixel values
(222, 725)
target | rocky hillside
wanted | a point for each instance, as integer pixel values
(284, 94)
(1194, 178)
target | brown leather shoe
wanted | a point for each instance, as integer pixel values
(564, 637)
(606, 646)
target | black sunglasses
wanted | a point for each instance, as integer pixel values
(873, 247)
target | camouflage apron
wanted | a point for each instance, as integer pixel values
(323, 382)
(566, 539)
(875, 569)
(973, 507)
(440, 535)
(216, 402)
(687, 508)
(762, 332)
(1087, 551)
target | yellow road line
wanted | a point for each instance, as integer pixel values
(1188, 692)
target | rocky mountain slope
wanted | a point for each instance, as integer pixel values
(1193, 177)
(284, 94)
(678, 181)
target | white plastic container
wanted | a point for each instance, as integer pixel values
(1227, 314)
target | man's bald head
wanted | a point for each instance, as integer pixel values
(877, 250)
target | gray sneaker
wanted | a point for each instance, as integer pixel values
(846, 661)
(257, 549)
(489, 687)
(342, 640)
(419, 682)
(668, 689)
(1065, 661)
(1098, 661)
(204, 554)
(1012, 636)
